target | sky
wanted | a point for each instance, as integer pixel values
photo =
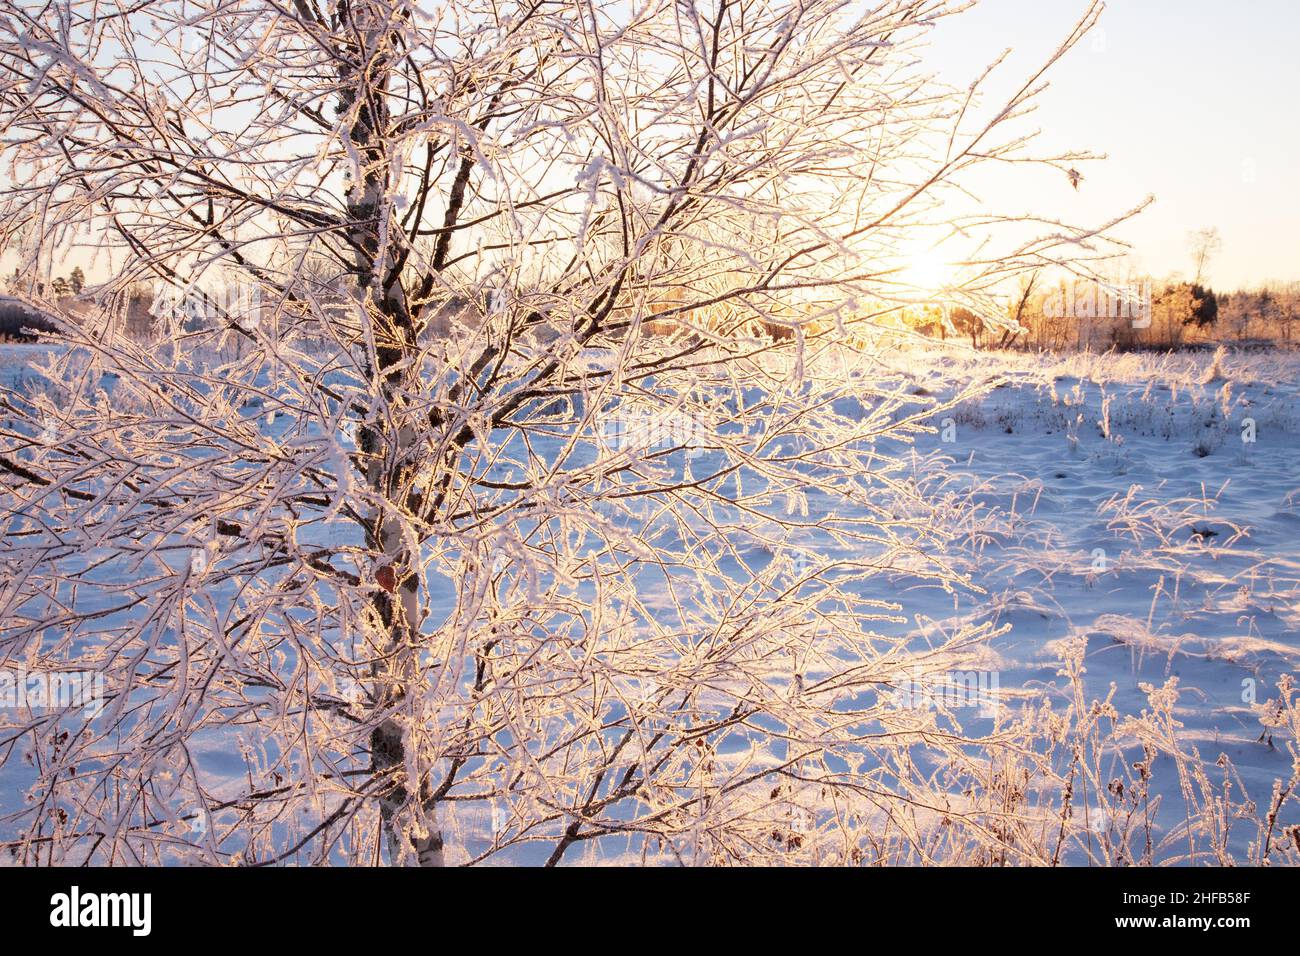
(1193, 101)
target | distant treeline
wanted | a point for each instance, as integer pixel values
(1143, 314)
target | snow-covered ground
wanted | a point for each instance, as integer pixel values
(1147, 504)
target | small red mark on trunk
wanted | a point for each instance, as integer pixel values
(386, 578)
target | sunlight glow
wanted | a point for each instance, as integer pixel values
(927, 272)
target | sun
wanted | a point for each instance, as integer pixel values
(927, 272)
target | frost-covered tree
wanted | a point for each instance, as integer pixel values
(1204, 245)
(497, 476)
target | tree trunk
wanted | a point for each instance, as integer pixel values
(379, 242)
